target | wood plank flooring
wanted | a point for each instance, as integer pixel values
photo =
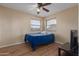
(25, 50)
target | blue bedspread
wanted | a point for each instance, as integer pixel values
(39, 38)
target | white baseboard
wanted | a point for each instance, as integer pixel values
(21, 43)
(59, 42)
(11, 44)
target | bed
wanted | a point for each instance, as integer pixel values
(36, 39)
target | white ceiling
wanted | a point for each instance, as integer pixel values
(30, 8)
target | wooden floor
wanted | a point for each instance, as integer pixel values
(25, 50)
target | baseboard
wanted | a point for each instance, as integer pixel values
(59, 42)
(11, 44)
(21, 43)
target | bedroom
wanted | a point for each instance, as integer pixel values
(19, 19)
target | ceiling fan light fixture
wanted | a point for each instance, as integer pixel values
(38, 10)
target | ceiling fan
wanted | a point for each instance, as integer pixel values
(41, 5)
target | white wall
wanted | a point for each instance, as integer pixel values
(66, 21)
(13, 26)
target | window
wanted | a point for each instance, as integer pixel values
(35, 24)
(51, 24)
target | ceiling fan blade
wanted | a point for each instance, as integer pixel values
(45, 4)
(45, 9)
(39, 5)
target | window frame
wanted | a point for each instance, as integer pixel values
(51, 25)
(35, 29)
